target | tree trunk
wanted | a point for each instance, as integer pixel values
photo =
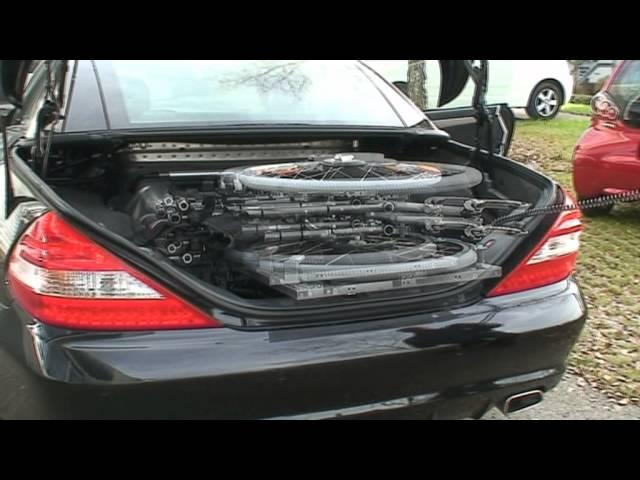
(417, 83)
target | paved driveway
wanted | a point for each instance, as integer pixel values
(573, 399)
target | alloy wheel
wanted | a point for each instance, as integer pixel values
(546, 102)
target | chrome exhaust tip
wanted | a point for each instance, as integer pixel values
(522, 401)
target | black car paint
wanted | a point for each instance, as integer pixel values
(447, 363)
(453, 364)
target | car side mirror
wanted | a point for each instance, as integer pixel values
(632, 114)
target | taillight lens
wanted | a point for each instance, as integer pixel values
(552, 260)
(63, 278)
(604, 107)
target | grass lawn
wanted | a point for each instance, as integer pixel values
(608, 352)
(577, 108)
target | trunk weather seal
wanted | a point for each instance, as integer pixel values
(227, 133)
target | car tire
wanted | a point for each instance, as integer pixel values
(545, 101)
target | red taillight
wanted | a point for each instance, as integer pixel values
(604, 107)
(63, 278)
(553, 259)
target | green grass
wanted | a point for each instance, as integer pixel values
(577, 108)
(608, 352)
(548, 144)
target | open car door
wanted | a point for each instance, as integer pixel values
(460, 123)
(448, 82)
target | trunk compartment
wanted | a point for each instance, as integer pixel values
(314, 224)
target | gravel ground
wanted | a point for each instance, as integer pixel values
(573, 399)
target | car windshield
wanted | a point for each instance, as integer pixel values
(159, 93)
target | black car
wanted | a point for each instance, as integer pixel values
(272, 239)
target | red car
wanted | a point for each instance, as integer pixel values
(606, 159)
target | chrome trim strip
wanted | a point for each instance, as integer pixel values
(245, 155)
(523, 394)
(394, 404)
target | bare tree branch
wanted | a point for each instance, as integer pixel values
(267, 77)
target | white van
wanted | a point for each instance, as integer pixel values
(540, 86)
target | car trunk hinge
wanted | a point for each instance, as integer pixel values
(479, 73)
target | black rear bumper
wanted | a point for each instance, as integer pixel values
(450, 364)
